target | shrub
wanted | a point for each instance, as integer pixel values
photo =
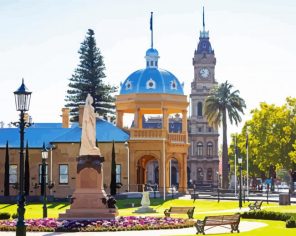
(291, 223)
(270, 215)
(4, 216)
(14, 216)
(266, 215)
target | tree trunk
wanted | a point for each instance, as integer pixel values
(225, 164)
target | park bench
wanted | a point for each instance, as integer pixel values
(180, 210)
(256, 205)
(222, 221)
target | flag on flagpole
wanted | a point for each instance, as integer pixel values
(151, 22)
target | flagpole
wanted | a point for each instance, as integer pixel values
(151, 28)
(235, 150)
(247, 144)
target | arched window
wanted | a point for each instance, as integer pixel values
(199, 109)
(210, 149)
(199, 149)
(209, 174)
(200, 175)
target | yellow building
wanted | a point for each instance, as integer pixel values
(149, 92)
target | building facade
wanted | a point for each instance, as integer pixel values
(63, 143)
(203, 161)
(158, 153)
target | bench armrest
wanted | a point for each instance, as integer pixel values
(167, 212)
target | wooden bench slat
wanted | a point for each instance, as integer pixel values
(180, 210)
(213, 221)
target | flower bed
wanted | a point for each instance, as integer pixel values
(118, 224)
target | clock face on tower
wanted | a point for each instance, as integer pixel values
(204, 73)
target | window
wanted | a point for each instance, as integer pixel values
(40, 173)
(199, 149)
(147, 64)
(210, 149)
(200, 175)
(156, 63)
(199, 129)
(12, 174)
(199, 109)
(209, 174)
(63, 174)
(209, 129)
(118, 173)
(151, 63)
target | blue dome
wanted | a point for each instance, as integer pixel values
(152, 52)
(151, 80)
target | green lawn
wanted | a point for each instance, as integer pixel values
(202, 209)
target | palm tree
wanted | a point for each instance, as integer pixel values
(222, 102)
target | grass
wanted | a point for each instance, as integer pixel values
(202, 208)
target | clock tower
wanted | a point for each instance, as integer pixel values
(203, 161)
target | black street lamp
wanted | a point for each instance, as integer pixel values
(240, 202)
(44, 155)
(22, 103)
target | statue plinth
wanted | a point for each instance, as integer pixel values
(89, 200)
(145, 202)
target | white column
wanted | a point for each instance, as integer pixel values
(247, 147)
(235, 183)
(163, 157)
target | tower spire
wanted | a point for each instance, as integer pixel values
(204, 33)
(151, 28)
(203, 18)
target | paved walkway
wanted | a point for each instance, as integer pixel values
(243, 226)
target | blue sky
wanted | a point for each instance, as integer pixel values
(254, 43)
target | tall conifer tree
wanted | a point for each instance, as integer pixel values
(6, 172)
(89, 78)
(27, 172)
(113, 172)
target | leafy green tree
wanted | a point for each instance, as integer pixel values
(223, 103)
(6, 172)
(272, 139)
(113, 172)
(89, 78)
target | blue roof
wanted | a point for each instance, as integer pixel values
(152, 80)
(151, 52)
(105, 132)
(35, 136)
(40, 133)
(204, 46)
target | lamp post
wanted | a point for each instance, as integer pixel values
(218, 178)
(240, 160)
(128, 161)
(44, 155)
(22, 103)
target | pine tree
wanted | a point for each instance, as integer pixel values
(113, 173)
(27, 172)
(6, 172)
(88, 78)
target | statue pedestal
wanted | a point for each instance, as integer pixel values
(145, 202)
(89, 195)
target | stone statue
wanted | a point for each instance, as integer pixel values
(88, 136)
